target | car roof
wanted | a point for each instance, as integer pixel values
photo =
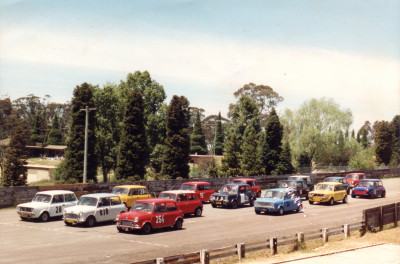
(155, 200)
(334, 177)
(129, 186)
(293, 180)
(179, 191)
(355, 173)
(279, 189)
(100, 195)
(243, 179)
(237, 184)
(330, 183)
(195, 183)
(299, 176)
(373, 180)
(52, 192)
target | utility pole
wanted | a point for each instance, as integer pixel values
(87, 109)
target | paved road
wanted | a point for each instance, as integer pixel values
(53, 242)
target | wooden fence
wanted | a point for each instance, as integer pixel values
(382, 215)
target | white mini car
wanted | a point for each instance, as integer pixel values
(94, 208)
(47, 204)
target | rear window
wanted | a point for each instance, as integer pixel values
(187, 187)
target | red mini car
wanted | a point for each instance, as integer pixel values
(202, 189)
(252, 182)
(186, 201)
(149, 214)
(354, 178)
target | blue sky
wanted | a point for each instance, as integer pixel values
(205, 50)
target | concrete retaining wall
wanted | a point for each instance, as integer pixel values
(11, 196)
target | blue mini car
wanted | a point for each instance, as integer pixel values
(278, 201)
(369, 188)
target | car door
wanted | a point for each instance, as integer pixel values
(115, 207)
(57, 205)
(208, 191)
(103, 211)
(170, 213)
(201, 192)
(158, 216)
(70, 200)
(244, 198)
(132, 196)
(288, 202)
(183, 203)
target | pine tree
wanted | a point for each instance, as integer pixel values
(251, 163)
(383, 142)
(177, 142)
(364, 138)
(231, 160)
(219, 137)
(35, 137)
(212, 170)
(55, 137)
(134, 152)
(71, 169)
(15, 173)
(285, 164)
(273, 142)
(395, 159)
(197, 139)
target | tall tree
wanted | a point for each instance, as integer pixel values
(133, 152)
(109, 111)
(219, 137)
(177, 143)
(231, 160)
(383, 142)
(395, 159)
(197, 139)
(285, 165)
(55, 136)
(364, 138)
(35, 136)
(251, 163)
(273, 138)
(212, 170)
(71, 169)
(7, 118)
(14, 171)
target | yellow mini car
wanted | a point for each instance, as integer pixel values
(130, 193)
(328, 192)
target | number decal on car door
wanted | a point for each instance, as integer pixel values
(58, 210)
(104, 211)
(159, 219)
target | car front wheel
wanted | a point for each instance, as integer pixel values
(178, 224)
(280, 211)
(198, 212)
(310, 202)
(90, 221)
(345, 199)
(331, 201)
(146, 229)
(234, 204)
(383, 195)
(44, 217)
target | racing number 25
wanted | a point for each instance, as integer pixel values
(159, 219)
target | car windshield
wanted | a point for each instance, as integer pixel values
(44, 198)
(140, 206)
(287, 184)
(171, 196)
(229, 189)
(239, 181)
(187, 187)
(332, 180)
(120, 190)
(90, 201)
(274, 194)
(365, 184)
(351, 176)
(324, 187)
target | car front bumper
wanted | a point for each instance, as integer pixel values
(266, 209)
(319, 199)
(28, 214)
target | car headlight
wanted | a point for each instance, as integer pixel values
(136, 219)
(323, 196)
(117, 218)
(310, 195)
(212, 198)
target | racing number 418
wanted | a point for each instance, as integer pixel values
(159, 219)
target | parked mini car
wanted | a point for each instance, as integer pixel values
(149, 214)
(341, 180)
(252, 182)
(328, 192)
(94, 208)
(305, 178)
(130, 193)
(47, 204)
(203, 189)
(186, 201)
(354, 178)
(233, 195)
(299, 185)
(369, 188)
(278, 201)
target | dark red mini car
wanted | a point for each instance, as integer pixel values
(186, 201)
(354, 178)
(252, 182)
(149, 214)
(202, 189)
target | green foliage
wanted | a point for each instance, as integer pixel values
(285, 161)
(156, 157)
(197, 139)
(272, 144)
(251, 163)
(198, 171)
(71, 169)
(231, 160)
(55, 136)
(395, 159)
(177, 143)
(363, 160)
(383, 142)
(7, 118)
(219, 137)
(133, 153)
(213, 171)
(35, 136)
(15, 173)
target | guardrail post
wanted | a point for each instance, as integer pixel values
(300, 237)
(273, 245)
(396, 212)
(325, 235)
(381, 218)
(346, 230)
(205, 256)
(160, 261)
(241, 250)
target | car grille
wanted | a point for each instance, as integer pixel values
(125, 222)
(71, 216)
(265, 204)
(318, 194)
(26, 209)
(360, 192)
